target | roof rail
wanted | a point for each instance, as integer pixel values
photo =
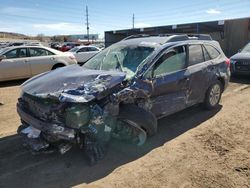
(173, 37)
(200, 36)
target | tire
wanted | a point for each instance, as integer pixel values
(56, 66)
(213, 95)
(144, 119)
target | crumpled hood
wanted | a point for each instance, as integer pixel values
(241, 56)
(73, 83)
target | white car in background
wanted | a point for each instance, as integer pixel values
(20, 62)
(84, 53)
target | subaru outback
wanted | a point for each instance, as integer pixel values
(121, 93)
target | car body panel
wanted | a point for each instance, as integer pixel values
(73, 83)
(14, 69)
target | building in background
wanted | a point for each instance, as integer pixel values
(83, 37)
(231, 34)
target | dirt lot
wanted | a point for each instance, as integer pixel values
(193, 148)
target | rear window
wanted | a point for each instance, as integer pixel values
(212, 51)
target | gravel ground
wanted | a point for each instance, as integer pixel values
(193, 148)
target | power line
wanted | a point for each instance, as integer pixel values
(87, 21)
(133, 21)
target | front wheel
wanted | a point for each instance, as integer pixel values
(213, 95)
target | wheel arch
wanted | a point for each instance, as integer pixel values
(57, 65)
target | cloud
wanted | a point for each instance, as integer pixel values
(63, 27)
(213, 11)
(142, 25)
(17, 11)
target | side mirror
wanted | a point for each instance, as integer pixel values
(2, 57)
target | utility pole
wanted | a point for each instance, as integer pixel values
(87, 22)
(133, 21)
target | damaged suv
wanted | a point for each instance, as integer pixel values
(121, 92)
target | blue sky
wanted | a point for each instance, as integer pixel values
(52, 17)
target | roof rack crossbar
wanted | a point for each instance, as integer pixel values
(173, 37)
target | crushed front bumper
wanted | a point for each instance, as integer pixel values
(58, 131)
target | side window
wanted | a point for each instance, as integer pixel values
(82, 50)
(195, 54)
(91, 49)
(11, 54)
(171, 61)
(34, 52)
(212, 51)
(22, 52)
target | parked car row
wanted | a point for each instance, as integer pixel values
(9, 44)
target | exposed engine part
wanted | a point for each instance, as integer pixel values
(77, 116)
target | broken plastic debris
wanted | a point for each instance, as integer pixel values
(36, 144)
(63, 148)
(31, 132)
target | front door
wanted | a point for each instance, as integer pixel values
(170, 81)
(15, 66)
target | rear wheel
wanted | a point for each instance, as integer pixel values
(213, 95)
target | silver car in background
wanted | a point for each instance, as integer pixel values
(20, 62)
(84, 53)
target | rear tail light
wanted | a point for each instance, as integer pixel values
(72, 57)
(227, 62)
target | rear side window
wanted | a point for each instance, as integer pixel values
(171, 61)
(34, 52)
(212, 51)
(195, 54)
(206, 55)
(90, 49)
(83, 50)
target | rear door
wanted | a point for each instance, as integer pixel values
(16, 65)
(199, 65)
(170, 82)
(41, 60)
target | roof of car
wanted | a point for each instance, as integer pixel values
(162, 39)
(24, 46)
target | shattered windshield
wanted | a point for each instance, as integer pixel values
(246, 49)
(125, 58)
